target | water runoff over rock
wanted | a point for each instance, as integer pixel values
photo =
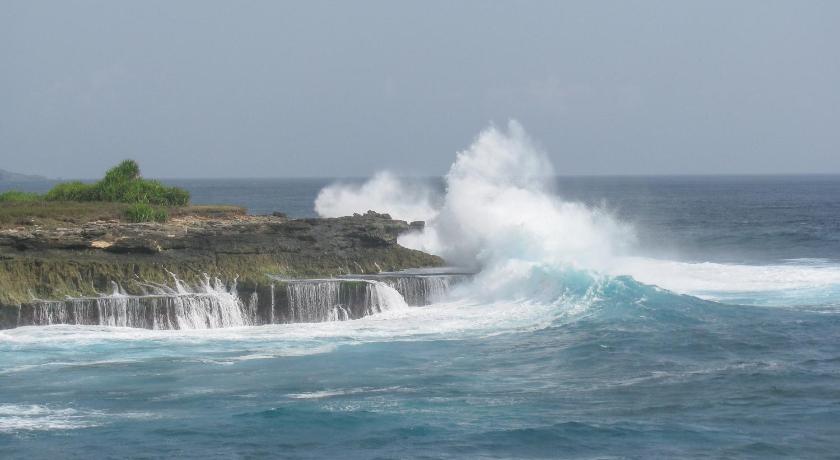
(213, 304)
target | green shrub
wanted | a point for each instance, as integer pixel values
(18, 196)
(121, 184)
(142, 212)
(175, 196)
(72, 191)
(117, 181)
(127, 170)
(153, 192)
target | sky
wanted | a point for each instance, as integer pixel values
(337, 89)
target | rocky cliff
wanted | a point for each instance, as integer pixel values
(90, 259)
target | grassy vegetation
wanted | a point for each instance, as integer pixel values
(53, 214)
(57, 213)
(121, 184)
(121, 195)
(14, 196)
(142, 212)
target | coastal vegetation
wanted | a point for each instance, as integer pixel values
(121, 184)
(142, 200)
(142, 212)
(52, 214)
(78, 239)
(15, 196)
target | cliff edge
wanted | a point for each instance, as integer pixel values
(91, 258)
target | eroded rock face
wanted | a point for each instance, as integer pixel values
(87, 259)
(244, 234)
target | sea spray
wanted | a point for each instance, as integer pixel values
(500, 217)
(403, 200)
(500, 206)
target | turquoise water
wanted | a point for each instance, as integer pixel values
(720, 342)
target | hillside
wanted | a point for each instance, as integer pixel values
(9, 176)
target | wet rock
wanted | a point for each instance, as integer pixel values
(52, 263)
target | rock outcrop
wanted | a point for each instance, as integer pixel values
(89, 259)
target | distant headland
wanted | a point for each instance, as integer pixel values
(9, 176)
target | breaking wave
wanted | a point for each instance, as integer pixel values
(501, 217)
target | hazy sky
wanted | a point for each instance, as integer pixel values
(255, 89)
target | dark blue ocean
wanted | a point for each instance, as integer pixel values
(717, 335)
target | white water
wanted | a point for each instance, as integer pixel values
(208, 306)
(321, 300)
(446, 321)
(18, 418)
(423, 290)
(386, 298)
(15, 418)
(315, 301)
(539, 258)
(212, 305)
(500, 216)
(796, 283)
(383, 190)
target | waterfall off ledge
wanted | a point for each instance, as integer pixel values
(214, 305)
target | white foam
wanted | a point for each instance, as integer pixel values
(16, 418)
(500, 216)
(499, 206)
(340, 392)
(33, 417)
(450, 320)
(239, 346)
(387, 298)
(714, 279)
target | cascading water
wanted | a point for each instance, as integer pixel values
(420, 289)
(209, 307)
(315, 301)
(385, 297)
(212, 305)
(340, 300)
(424, 290)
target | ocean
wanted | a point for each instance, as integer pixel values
(711, 331)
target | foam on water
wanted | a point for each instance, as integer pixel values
(18, 418)
(501, 217)
(33, 417)
(445, 320)
(792, 284)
